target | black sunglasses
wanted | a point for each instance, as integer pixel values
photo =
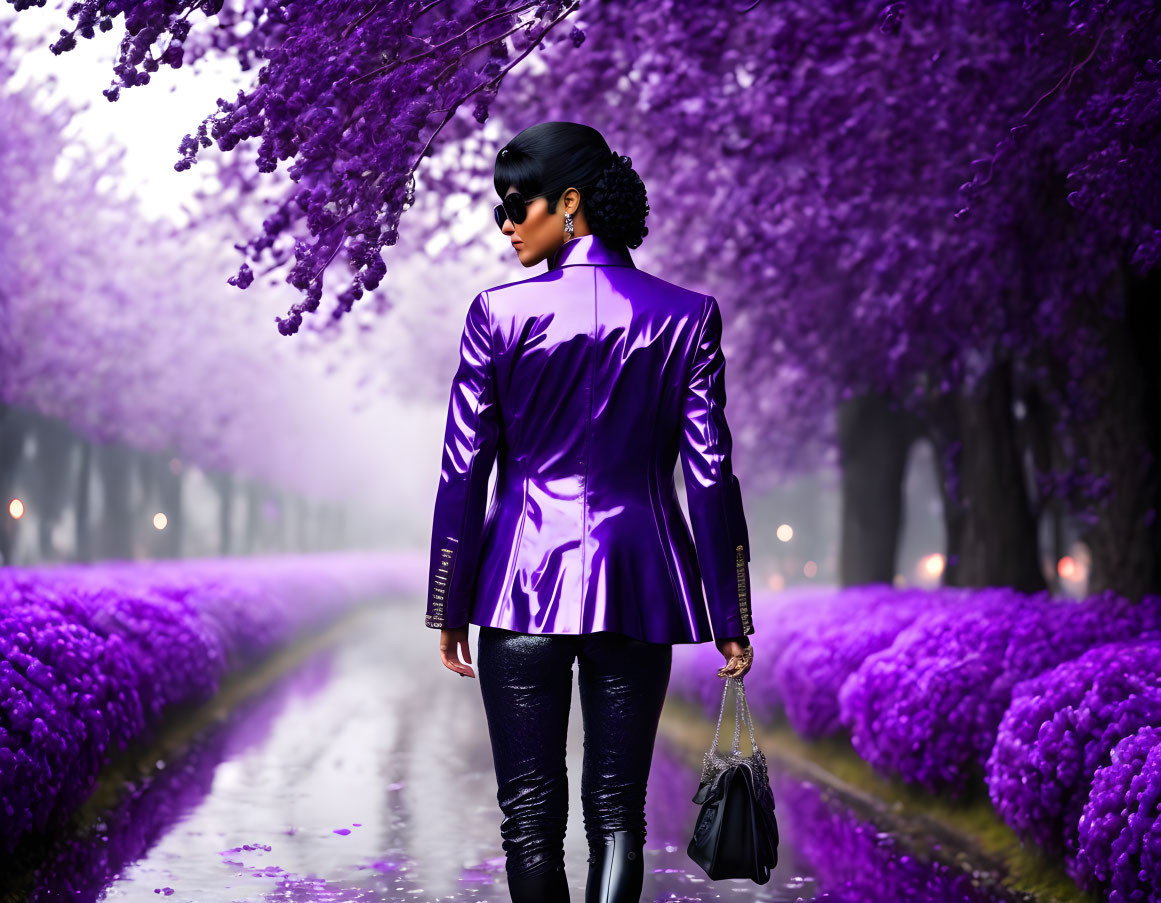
(514, 207)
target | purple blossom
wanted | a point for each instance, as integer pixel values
(1061, 727)
(1120, 828)
(928, 707)
(92, 656)
(695, 666)
(956, 687)
(830, 642)
(897, 203)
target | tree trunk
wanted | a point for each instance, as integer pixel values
(1036, 432)
(998, 537)
(1124, 445)
(340, 526)
(275, 504)
(326, 525)
(51, 480)
(873, 443)
(149, 467)
(14, 426)
(254, 532)
(84, 529)
(943, 430)
(301, 513)
(116, 535)
(169, 489)
(223, 482)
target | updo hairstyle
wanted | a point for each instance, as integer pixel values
(550, 157)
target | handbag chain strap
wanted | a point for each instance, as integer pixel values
(741, 707)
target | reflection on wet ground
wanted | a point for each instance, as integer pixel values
(366, 774)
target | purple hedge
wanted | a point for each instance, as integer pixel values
(1120, 829)
(928, 707)
(91, 656)
(694, 665)
(1061, 727)
(819, 654)
(1053, 703)
(799, 675)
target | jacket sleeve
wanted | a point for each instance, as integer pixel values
(471, 436)
(712, 489)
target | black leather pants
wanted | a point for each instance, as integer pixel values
(526, 683)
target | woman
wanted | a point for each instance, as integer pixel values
(586, 382)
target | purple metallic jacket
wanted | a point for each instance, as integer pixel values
(586, 382)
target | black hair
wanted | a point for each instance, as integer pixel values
(550, 157)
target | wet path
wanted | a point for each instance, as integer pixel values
(366, 774)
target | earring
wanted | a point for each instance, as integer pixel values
(568, 227)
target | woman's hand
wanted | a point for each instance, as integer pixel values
(448, 641)
(739, 657)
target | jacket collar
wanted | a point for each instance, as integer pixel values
(590, 249)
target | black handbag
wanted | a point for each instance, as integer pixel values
(736, 834)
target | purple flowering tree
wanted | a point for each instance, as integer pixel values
(936, 220)
(116, 335)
